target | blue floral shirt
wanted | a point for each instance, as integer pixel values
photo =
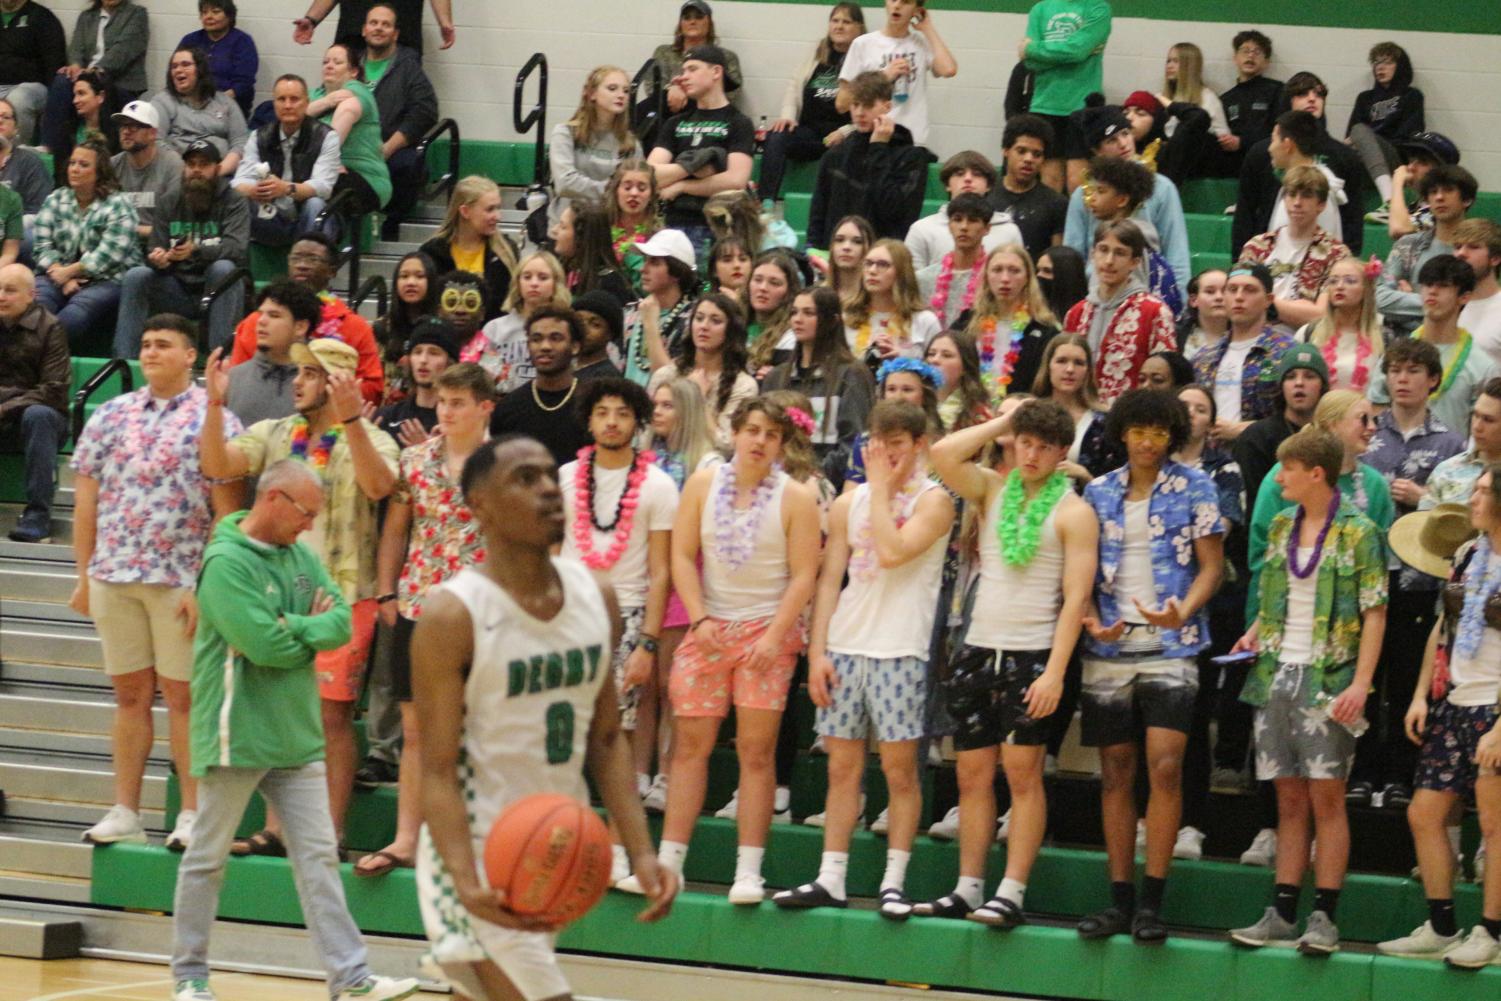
(1184, 507)
(1413, 457)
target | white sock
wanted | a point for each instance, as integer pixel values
(1453, 833)
(781, 800)
(748, 860)
(971, 889)
(673, 854)
(1012, 890)
(831, 871)
(619, 856)
(896, 870)
(643, 783)
(1384, 185)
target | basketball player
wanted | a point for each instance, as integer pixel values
(1038, 541)
(522, 643)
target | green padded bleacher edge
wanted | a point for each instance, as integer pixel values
(706, 928)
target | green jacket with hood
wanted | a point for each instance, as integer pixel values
(255, 695)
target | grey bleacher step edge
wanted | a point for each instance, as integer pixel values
(41, 611)
(41, 707)
(62, 889)
(50, 643)
(80, 678)
(79, 816)
(71, 742)
(36, 581)
(43, 849)
(74, 779)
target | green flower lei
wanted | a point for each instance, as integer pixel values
(1019, 527)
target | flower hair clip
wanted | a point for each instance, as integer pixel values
(927, 373)
(1373, 268)
(800, 420)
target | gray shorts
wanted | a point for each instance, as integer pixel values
(1294, 738)
(1119, 700)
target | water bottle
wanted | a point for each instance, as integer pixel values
(1322, 702)
(267, 210)
(761, 132)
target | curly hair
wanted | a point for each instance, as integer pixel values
(619, 387)
(735, 355)
(1149, 408)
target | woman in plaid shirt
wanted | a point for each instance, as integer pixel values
(85, 242)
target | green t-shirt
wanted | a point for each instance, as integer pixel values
(11, 211)
(361, 151)
(374, 70)
(1066, 51)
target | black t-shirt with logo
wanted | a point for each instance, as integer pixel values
(724, 127)
(1038, 213)
(818, 112)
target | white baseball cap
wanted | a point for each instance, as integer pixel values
(141, 113)
(670, 243)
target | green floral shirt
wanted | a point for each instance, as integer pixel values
(1352, 579)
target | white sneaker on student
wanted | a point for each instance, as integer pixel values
(1003, 826)
(1263, 850)
(655, 800)
(747, 890)
(1422, 943)
(1141, 837)
(379, 989)
(731, 809)
(781, 806)
(816, 819)
(946, 829)
(1480, 949)
(182, 831)
(1190, 844)
(882, 823)
(121, 823)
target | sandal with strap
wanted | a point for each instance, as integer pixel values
(999, 912)
(895, 905)
(383, 863)
(949, 906)
(1103, 924)
(1147, 927)
(262, 842)
(808, 896)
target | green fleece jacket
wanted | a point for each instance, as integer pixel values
(1066, 48)
(255, 696)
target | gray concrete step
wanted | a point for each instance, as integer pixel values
(76, 815)
(44, 849)
(50, 642)
(74, 779)
(80, 679)
(31, 886)
(38, 581)
(56, 708)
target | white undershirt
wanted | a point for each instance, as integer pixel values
(1291, 252)
(1227, 378)
(1297, 632)
(1134, 578)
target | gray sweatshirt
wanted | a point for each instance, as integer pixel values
(26, 175)
(582, 171)
(219, 120)
(260, 390)
(146, 189)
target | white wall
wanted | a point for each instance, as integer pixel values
(1459, 74)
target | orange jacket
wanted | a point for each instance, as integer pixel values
(340, 322)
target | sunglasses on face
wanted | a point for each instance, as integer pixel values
(1148, 436)
(461, 298)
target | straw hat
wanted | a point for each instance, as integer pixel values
(1427, 540)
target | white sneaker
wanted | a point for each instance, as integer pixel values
(620, 868)
(747, 890)
(1423, 943)
(730, 810)
(1141, 837)
(631, 884)
(935, 755)
(816, 819)
(1455, 874)
(1480, 863)
(1003, 826)
(882, 823)
(643, 783)
(192, 990)
(1480, 949)
(781, 806)
(817, 746)
(1263, 850)
(379, 989)
(1190, 844)
(655, 800)
(182, 831)
(121, 823)
(946, 829)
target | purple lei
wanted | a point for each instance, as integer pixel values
(734, 534)
(1318, 544)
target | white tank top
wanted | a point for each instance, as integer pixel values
(889, 614)
(754, 589)
(1017, 608)
(529, 698)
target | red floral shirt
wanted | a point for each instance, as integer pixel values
(444, 538)
(1142, 326)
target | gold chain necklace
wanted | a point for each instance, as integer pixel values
(560, 404)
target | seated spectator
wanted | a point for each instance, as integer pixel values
(149, 173)
(428, 352)
(1385, 115)
(312, 262)
(12, 219)
(906, 58)
(1477, 242)
(290, 167)
(463, 303)
(345, 103)
(1122, 320)
(1420, 154)
(470, 240)
(852, 238)
(85, 242)
(352, 21)
(604, 325)
(35, 375)
(966, 172)
(1449, 192)
(1243, 370)
(1348, 333)
(22, 170)
(1193, 117)
(553, 336)
(90, 112)
(1061, 274)
(1206, 322)
(695, 27)
(1166, 370)
(500, 348)
(1116, 190)
(810, 121)
(737, 215)
(887, 317)
(408, 108)
(968, 224)
(1251, 105)
(730, 266)
(1065, 49)
(109, 39)
(32, 49)
(963, 398)
(877, 173)
(1010, 322)
(1107, 132)
(262, 388)
(414, 295)
(656, 328)
(714, 358)
(581, 240)
(199, 236)
(704, 150)
(233, 60)
(1034, 208)
(1300, 252)
(631, 199)
(585, 150)
(1454, 479)
(768, 296)
(191, 110)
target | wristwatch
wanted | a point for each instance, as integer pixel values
(647, 643)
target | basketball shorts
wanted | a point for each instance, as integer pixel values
(341, 672)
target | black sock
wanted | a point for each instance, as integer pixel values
(1123, 896)
(1152, 889)
(1441, 916)
(1285, 900)
(1492, 925)
(1325, 900)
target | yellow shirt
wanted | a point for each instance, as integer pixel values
(470, 261)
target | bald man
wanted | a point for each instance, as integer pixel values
(35, 375)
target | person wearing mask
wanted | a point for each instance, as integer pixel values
(190, 110)
(1062, 274)
(233, 60)
(1207, 321)
(470, 240)
(1477, 242)
(32, 49)
(407, 106)
(1299, 253)
(110, 39)
(906, 57)
(1036, 209)
(585, 151)
(553, 337)
(35, 375)
(1252, 104)
(149, 172)
(1449, 193)
(1065, 49)
(963, 173)
(290, 167)
(1386, 114)
(264, 387)
(199, 235)
(1243, 369)
(345, 103)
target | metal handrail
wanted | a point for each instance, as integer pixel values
(658, 94)
(374, 285)
(210, 295)
(98, 379)
(451, 177)
(536, 116)
(349, 231)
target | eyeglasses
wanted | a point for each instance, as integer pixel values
(306, 514)
(1148, 436)
(877, 265)
(307, 258)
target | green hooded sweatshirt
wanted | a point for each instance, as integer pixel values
(255, 696)
(1066, 52)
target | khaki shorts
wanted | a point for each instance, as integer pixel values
(139, 627)
(341, 672)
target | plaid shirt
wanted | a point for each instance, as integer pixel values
(103, 236)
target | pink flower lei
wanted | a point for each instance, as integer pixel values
(625, 510)
(999, 376)
(945, 281)
(734, 537)
(1363, 350)
(863, 564)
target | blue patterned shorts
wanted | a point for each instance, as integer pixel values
(886, 693)
(1447, 761)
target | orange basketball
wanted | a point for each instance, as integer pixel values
(550, 855)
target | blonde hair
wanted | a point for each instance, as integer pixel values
(560, 295)
(798, 458)
(1333, 407)
(689, 439)
(585, 121)
(1324, 329)
(1189, 87)
(737, 214)
(986, 304)
(906, 298)
(465, 193)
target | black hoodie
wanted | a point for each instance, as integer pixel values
(1394, 111)
(884, 182)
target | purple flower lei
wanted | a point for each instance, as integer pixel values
(1318, 544)
(735, 537)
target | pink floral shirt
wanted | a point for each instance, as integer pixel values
(444, 537)
(153, 517)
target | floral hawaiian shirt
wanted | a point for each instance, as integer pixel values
(1184, 506)
(1413, 457)
(1142, 326)
(1453, 480)
(1260, 392)
(1323, 253)
(1351, 581)
(444, 536)
(153, 516)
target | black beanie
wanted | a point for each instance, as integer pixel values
(605, 306)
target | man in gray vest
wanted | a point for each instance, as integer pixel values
(290, 167)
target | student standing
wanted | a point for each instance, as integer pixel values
(1065, 49)
(906, 58)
